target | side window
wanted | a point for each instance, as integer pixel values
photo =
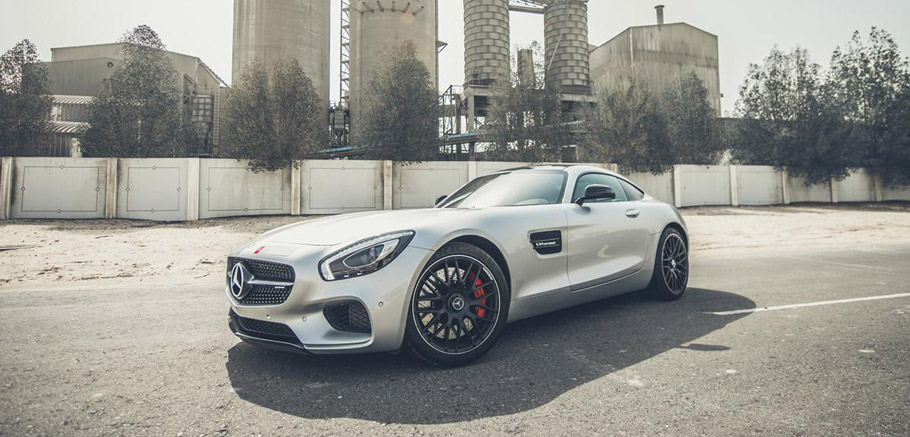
(599, 179)
(632, 193)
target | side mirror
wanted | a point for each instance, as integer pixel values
(596, 192)
(440, 199)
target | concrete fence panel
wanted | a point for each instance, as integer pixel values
(335, 187)
(895, 193)
(658, 186)
(759, 185)
(154, 189)
(858, 187)
(228, 188)
(704, 185)
(67, 188)
(801, 192)
(418, 185)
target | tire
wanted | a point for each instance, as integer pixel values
(671, 266)
(453, 320)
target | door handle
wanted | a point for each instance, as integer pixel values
(632, 213)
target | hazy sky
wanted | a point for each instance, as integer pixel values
(747, 30)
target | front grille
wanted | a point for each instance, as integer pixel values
(267, 330)
(266, 295)
(348, 316)
(265, 270)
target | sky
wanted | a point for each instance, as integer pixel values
(747, 30)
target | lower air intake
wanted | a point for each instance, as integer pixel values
(348, 316)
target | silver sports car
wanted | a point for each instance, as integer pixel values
(446, 280)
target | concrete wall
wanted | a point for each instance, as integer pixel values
(227, 188)
(758, 185)
(58, 188)
(895, 193)
(801, 192)
(419, 185)
(192, 188)
(154, 189)
(704, 185)
(335, 187)
(858, 187)
(658, 186)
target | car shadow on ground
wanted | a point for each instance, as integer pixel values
(534, 361)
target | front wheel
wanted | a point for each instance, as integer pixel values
(459, 306)
(671, 266)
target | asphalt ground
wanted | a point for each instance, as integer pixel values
(159, 360)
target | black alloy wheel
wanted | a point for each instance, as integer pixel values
(458, 306)
(671, 269)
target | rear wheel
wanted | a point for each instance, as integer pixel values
(671, 266)
(459, 306)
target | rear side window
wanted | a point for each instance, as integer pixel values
(599, 179)
(632, 193)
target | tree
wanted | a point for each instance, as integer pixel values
(25, 105)
(139, 112)
(869, 84)
(400, 119)
(626, 127)
(692, 125)
(526, 121)
(272, 121)
(789, 120)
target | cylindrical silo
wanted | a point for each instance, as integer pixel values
(381, 26)
(566, 41)
(486, 41)
(268, 30)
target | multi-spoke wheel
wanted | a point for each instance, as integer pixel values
(458, 306)
(671, 266)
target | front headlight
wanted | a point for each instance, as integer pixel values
(365, 256)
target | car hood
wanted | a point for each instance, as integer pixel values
(348, 228)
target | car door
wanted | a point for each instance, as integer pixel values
(606, 239)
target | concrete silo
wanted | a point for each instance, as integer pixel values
(378, 26)
(566, 42)
(486, 41)
(268, 30)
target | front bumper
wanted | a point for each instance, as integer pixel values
(385, 295)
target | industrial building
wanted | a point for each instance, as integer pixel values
(661, 53)
(78, 73)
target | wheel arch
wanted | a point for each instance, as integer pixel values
(490, 248)
(682, 231)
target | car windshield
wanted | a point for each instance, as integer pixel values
(521, 187)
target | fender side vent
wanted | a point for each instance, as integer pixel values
(547, 243)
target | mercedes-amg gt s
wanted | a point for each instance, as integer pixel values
(445, 281)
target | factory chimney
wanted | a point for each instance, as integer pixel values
(660, 14)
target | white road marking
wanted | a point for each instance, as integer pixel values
(836, 264)
(811, 304)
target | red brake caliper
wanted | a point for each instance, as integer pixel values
(477, 295)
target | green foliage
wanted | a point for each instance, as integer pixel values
(692, 125)
(272, 121)
(139, 112)
(789, 120)
(869, 86)
(24, 104)
(626, 126)
(400, 119)
(526, 121)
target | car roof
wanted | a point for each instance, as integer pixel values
(573, 169)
